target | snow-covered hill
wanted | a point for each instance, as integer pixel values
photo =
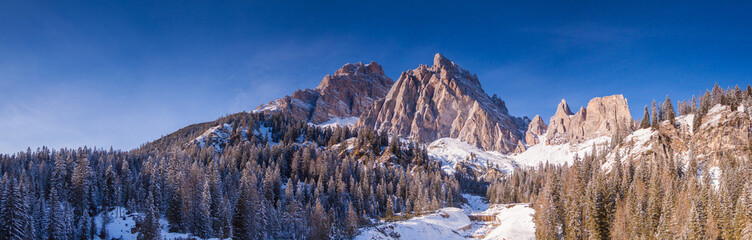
(453, 152)
(511, 221)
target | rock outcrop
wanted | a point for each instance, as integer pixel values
(724, 133)
(444, 100)
(535, 130)
(604, 116)
(348, 93)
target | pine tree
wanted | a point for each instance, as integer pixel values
(204, 223)
(697, 221)
(645, 123)
(320, 221)
(110, 189)
(13, 212)
(59, 228)
(668, 111)
(174, 213)
(351, 221)
(598, 209)
(80, 186)
(242, 226)
(149, 228)
(654, 113)
(389, 208)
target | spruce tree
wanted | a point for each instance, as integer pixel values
(645, 123)
(204, 223)
(149, 228)
(654, 113)
(174, 213)
(59, 227)
(351, 220)
(13, 212)
(668, 111)
(241, 220)
(80, 186)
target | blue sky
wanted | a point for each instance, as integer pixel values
(120, 73)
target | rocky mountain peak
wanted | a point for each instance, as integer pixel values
(563, 108)
(352, 89)
(444, 100)
(372, 68)
(536, 129)
(441, 61)
(603, 116)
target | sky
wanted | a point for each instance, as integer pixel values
(121, 73)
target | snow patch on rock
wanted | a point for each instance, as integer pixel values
(557, 154)
(339, 121)
(451, 151)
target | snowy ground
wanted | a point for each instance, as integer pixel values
(121, 224)
(341, 122)
(512, 221)
(516, 223)
(557, 154)
(450, 152)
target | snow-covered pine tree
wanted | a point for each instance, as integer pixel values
(149, 228)
(351, 221)
(204, 223)
(320, 222)
(13, 212)
(174, 214)
(59, 224)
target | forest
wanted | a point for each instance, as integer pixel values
(656, 198)
(295, 181)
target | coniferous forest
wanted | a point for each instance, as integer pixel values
(295, 181)
(656, 198)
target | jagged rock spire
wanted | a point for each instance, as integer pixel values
(444, 100)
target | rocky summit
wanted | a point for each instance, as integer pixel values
(348, 93)
(535, 130)
(444, 100)
(604, 116)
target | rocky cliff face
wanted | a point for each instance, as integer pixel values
(604, 116)
(444, 100)
(535, 130)
(724, 133)
(348, 93)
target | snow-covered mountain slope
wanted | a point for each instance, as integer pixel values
(453, 153)
(511, 221)
(216, 137)
(443, 224)
(557, 154)
(219, 136)
(338, 122)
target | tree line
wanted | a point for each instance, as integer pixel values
(295, 181)
(656, 197)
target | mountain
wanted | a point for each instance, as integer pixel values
(535, 130)
(723, 133)
(346, 94)
(444, 100)
(604, 116)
